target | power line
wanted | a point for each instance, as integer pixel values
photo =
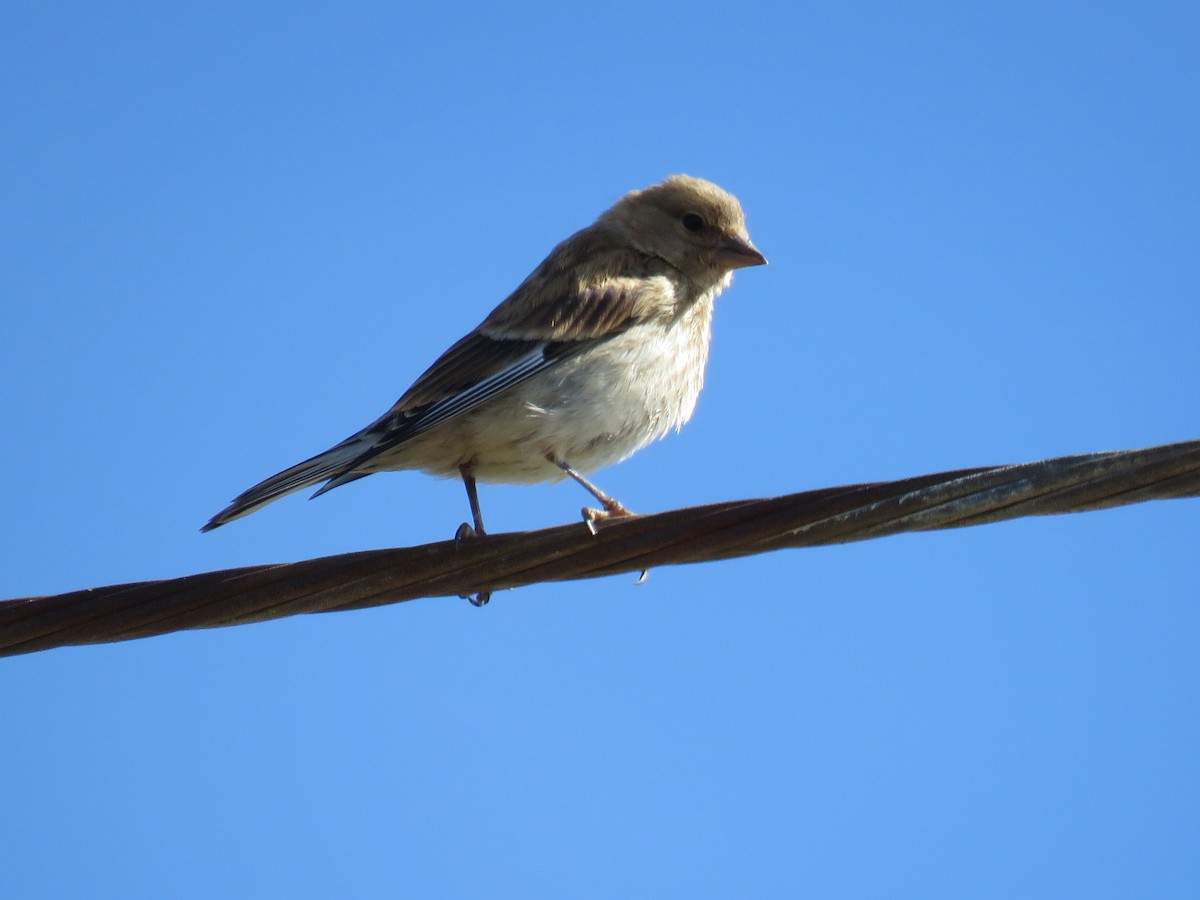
(695, 534)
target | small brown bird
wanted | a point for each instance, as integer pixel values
(599, 352)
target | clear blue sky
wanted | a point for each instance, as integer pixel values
(234, 233)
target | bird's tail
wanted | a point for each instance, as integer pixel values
(334, 465)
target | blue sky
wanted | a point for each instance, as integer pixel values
(234, 234)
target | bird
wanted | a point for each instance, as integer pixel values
(600, 351)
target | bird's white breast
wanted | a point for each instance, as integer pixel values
(590, 410)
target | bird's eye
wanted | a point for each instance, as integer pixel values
(692, 222)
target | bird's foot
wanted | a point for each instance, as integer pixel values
(465, 533)
(613, 509)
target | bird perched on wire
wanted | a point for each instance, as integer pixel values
(599, 352)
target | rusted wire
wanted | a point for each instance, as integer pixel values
(696, 534)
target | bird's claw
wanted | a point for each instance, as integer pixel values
(480, 599)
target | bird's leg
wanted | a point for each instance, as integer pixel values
(466, 531)
(473, 498)
(613, 508)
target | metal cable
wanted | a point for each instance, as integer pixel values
(695, 534)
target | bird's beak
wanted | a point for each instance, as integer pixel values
(737, 252)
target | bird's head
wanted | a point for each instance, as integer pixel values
(691, 223)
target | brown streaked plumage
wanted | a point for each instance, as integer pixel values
(600, 351)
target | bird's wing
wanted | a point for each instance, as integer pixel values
(559, 311)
